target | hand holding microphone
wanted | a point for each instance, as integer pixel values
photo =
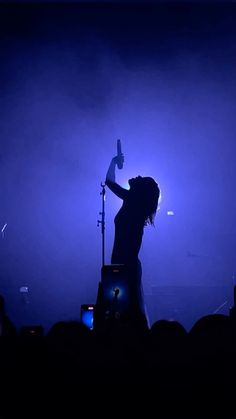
(120, 156)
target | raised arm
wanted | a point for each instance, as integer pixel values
(111, 179)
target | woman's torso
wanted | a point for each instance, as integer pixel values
(128, 236)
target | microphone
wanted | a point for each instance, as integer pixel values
(119, 155)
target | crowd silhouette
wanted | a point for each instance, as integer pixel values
(166, 368)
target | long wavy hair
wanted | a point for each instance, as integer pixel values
(145, 194)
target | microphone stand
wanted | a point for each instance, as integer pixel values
(102, 221)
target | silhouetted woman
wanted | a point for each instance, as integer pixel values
(138, 210)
